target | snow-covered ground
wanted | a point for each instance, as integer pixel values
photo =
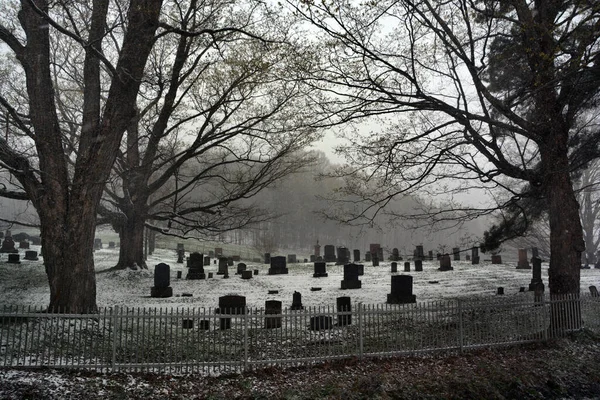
(26, 283)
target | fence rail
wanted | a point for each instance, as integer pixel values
(206, 341)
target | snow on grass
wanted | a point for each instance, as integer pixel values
(26, 283)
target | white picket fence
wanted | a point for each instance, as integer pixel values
(205, 341)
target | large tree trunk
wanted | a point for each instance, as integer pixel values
(566, 233)
(131, 237)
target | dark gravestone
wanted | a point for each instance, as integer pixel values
(179, 274)
(394, 266)
(375, 260)
(246, 274)
(255, 272)
(195, 266)
(315, 289)
(320, 270)
(361, 269)
(407, 266)
(230, 261)
(380, 254)
(210, 275)
(97, 244)
(496, 259)
(500, 291)
(273, 307)
(344, 305)
(187, 324)
(297, 301)
(223, 266)
(291, 259)
(162, 281)
(273, 292)
(230, 305)
(418, 265)
(356, 255)
(211, 254)
(523, 262)
(236, 258)
(187, 295)
(329, 253)
(374, 249)
(317, 250)
(218, 252)
(468, 257)
(343, 256)
(402, 290)
(267, 258)
(594, 291)
(204, 324)
(474, 255)
(456, 253)
(8, 245)
(395, 254)
(111, 245)
(445, 263)
(536, 280)
(31, 255)
(351, 280)
(420, 255)
(23, 244)
(313, 258)
(241, 267)
(14, 258)
(206, 261)
(368, 256)
(180, 253)
(320, 322)
(278, 266)
(438, 256)
(430, 255)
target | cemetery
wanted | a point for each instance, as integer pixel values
(188, 316)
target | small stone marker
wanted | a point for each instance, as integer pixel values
(496, 259)
(315, 289)
(475, 255)
(320, 270)
(313, 258)
(187, 324)
(223, 266)
(536, 280)
(179, 273)
(273, 292)
(329, 253)
(206, 261)
(456, 253)
(297, 301)
(111, 245)
(395, 254)
(445, 263)
(278, 266)
(180, 253)
(420, 255)
(500, 291)
(291, 259)
(23, 244)
(430, 255)
(522, 289)
(594, 291)
(351, 280)
(241, 267)
(97, 244)
(368, 256)
(31, 255)
(162, 281)
(419, 265)
(210, 275)
(8, 245)
(273, 307)
(218, 252)
(255, 272)
(407, 266)
(344, 305)
(356, 255)
(204, 325)
(247, 274)
(230, 305)
(267, 258)
(402, 290)
(523, 263)
(375, 261)
(394, 267)
(14, 258)
(187, 295)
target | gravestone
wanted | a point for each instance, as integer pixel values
(594, 291)
(14, 258)
(195, 264)
(241, 267)
(246, 274)
(230, 305)
(206, 261)
(179, 274)
(438, 256)
(97, 244)
(344, 305)
(430, 255)
(31, 255)
(211, 254)
(8, 245)
(468, 257)
(456, 253)
(351, 280)
(445, 263)
(111, 245)
(534, 252)
(374, 249)
(204, 325)
(320, 322)
(273, 307)
(223, 266)
(35, 240)
(356, 255)
(523, 262)
(187, 324)
(402, 290)
(500, 291)
(229, 261)
(496, 259)
(210, 275)
(297, 301)
(407, 266)
(24, 244)
(278, 266)
(380, 254)
(267, 258)
(180, 253)
(343, 256)
(395, 254)
(329, 253)
(317, 249)
(419, 265)
(419, 255)
(162, 281)
(236, 258)
(255, 272)
(313, 258)
(361, 269)
(375, 261)
(394, 267)
(536, 280)
(474, 255)
(291, 259)
(218, 252)
(320, 270)
(368, 256)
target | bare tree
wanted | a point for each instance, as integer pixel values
(431, 71)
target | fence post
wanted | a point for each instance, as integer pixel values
(115, 311)
(360, 330)
(245, 363)
(460, 326)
